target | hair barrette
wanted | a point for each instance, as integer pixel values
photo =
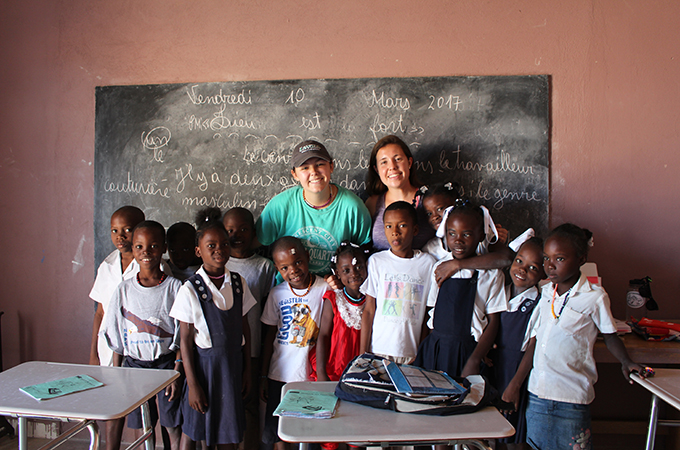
(334, 259)
(449, 186)
(460, 202)
(423, 189)
(590, 242)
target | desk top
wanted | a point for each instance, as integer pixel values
(358, 423)
(641, 351)
(124, 390)
(665, 384)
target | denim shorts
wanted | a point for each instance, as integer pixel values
(555, 425)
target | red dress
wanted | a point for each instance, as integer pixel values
(346, 332)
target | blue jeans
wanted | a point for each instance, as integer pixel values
(553, 425)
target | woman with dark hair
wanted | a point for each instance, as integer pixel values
(390, 179)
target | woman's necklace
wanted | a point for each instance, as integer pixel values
(309, 288)
(330, 199)
(163, 277)
(352, 299)
(552, 304)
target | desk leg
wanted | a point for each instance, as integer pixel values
(304, 446)
(94, 435)
(23, 441)
(653, 418)
(146, 421)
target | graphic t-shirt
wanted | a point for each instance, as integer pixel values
(296, 319)
(400, 287)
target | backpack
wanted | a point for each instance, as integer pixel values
(366, 381)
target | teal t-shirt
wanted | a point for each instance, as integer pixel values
(321, 230)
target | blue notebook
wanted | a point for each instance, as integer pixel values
(57, 388)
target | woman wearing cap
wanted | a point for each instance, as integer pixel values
(390, 179)
(318, 212)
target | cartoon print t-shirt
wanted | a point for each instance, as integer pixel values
(296, 319)
(400, 287)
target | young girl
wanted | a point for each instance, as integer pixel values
(466, 306)
(570, 314)
(340, 329)
(211, 308)
(435, 201)
(514, 332)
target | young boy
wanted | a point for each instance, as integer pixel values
(259, 273)
(140, 331)
(396, 290)
(182, 250)
(118, 266)
(292, 313)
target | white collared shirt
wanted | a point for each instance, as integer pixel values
(187, 307)
(564, 367)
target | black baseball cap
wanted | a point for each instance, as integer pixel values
(309, 149)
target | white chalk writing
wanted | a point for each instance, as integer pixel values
(296, 96)
(150, 188)
(242, 98)
(389, 102)
(155, 140)
(393, 126)
(220, 201)
(502, 164)
(312, 123)
(451, 102)
(501, 195)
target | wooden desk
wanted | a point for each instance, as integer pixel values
(641, 351)
(124, 390)
(370, 426)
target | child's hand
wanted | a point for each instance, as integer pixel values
(197, 399)
(446, 270)
(511, 395)
(471, 368)
(502, 234)
(642, 371)
(334, 282)
(263, 389)
(173, 390)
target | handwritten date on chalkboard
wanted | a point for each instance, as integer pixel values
(172, 149)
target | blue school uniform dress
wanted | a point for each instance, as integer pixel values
(450, 344)
(513, 332)
(219, 371)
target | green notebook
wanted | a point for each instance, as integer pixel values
(307, 404)
(57, 388)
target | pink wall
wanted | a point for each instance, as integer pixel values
(615, 97)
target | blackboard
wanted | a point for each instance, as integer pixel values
(171, 149)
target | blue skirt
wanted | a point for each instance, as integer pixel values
(445, 352)
(219, 374)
